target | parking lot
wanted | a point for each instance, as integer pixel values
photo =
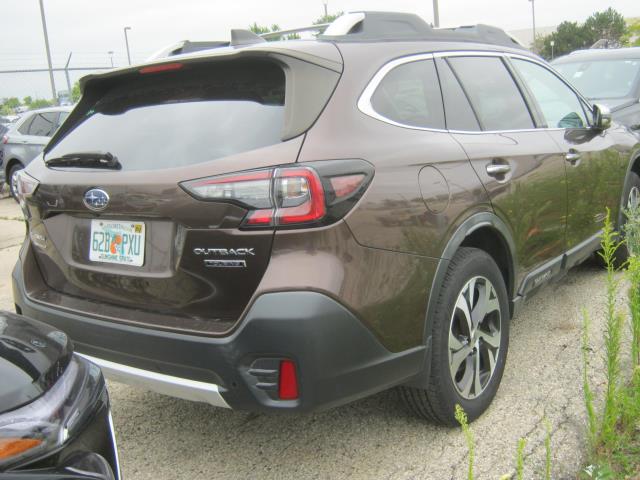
(165, 438)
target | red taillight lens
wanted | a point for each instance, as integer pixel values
(289, 196)
(5, 139)
(165, 67)
(288, 381)
(345, 185)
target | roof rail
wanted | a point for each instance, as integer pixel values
(283, 33)
(385, 26)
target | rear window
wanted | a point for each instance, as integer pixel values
(183, 117)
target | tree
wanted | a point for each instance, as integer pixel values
(327, 18)
(11, 102)
(569, 36)
(608, 25)
(40, 103)
(632, 37)
(75, 92)
(260, 29)
(27, 100)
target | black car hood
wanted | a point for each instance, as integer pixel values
(32, 358)
(615, 103)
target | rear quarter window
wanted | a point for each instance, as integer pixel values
(410, 95)
(184, 117)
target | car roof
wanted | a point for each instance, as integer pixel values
(600, 54)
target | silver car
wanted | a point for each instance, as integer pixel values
(26, 138)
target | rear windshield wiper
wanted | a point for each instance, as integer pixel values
(87, 160)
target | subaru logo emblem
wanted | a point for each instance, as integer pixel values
(96, 199)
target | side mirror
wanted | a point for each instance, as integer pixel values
(601, 116)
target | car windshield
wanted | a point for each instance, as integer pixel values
(602, 78)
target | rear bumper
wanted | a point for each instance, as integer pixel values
(337, 358)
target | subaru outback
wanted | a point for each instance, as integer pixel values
(290, 226)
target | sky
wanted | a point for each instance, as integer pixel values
(90, 28)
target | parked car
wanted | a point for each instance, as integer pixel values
(3, 129)
(327, 219)
(55, 420)
(27, 137)
(607, 76)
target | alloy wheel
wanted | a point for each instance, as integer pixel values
(474, 337)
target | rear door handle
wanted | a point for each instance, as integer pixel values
(497, 169)
(573, 157)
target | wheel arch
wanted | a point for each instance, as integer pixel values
(489, 233)
(9, 166)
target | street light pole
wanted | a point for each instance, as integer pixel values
(533, 16)
(436, 14)
(111, 56)
(126, 41)
(325, 3)
(552, 43)
(46, 44)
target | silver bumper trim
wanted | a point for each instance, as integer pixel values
(161, 383)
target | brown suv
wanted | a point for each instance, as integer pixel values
(296, 225)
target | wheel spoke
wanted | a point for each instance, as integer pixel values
(492, 338)
(477, 385)
(463, 306)
(456, 359)
(455, 343)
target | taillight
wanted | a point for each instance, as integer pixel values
(163, 67)
(5, 139)
(313, 195)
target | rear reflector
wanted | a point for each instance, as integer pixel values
(347, 184)
(288, 381)
(161, 68)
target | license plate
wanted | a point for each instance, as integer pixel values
(119, 242)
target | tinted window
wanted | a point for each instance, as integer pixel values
(184, 117)
(603, 78)
(43, 124)
(24, 128)
(458, 112)
(62, 118)
(410, 94)
(560, 107)
(492, 92)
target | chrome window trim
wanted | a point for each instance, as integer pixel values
(365, 106)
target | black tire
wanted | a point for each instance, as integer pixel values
(436, 401)
(12, 171)
(622, 253)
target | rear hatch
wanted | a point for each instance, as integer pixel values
(114, 230)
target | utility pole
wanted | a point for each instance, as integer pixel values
(326, 4)
(436, 14)
(126, 41)
(110, 53)
(46, 44)
(533, 16)
(66, 73)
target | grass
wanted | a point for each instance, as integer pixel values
(613, 431)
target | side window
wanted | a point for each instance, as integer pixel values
(44, 124)
(62, 118)
(457, 110)
(410, 94)
(560, 106)
(494, 95)
(24, 128)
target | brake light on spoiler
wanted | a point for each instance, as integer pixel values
(316, 194)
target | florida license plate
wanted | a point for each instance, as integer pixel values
(119, 242)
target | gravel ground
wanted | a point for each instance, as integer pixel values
(164, 438)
